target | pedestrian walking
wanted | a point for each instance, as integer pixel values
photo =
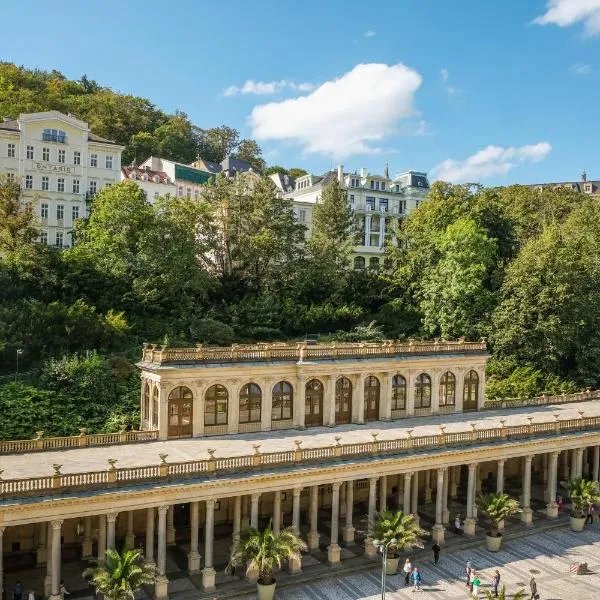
(31, 595)
(63, 589)
(436, 553)
(495, 583)
(533, 588)
(18, 593)
(590, 514)
(417, 578)
(468, 571)
(407, 568)
(476, 583)
(457, 525)
(472, 576)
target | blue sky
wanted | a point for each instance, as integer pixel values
(467, 90)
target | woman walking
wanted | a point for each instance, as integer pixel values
(407, 568)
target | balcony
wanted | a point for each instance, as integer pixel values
(54, 137)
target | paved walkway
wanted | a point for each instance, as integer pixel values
(147, 453)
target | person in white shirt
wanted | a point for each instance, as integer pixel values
(407, 568)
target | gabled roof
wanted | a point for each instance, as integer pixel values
(235, 164)
(284, 182)
(140, 172)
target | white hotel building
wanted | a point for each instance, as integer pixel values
(61, 165)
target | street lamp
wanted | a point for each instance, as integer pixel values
(383, 547)
(19, 352)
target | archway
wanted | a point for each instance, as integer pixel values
(313, 404)
(181, 409)
(343, 401)
(471, 391)
(372, 389)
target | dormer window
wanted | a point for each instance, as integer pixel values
(132, 175)
(587, 188)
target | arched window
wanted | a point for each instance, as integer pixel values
(447, 389)
(283, 401)
(313, 403)
(374, 263)
(372, 388)
(471, 391)
(216, 402)
(398, 393)
(423, 391)
(155, 408)
(181, 406)
(146, 409)
(359, 262)
(343, 401)
(250, 403)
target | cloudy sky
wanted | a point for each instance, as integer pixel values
(497, 92)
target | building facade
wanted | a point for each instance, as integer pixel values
(155, 184)
(378, 202)
(188, 180)
(61, 165)
(591, 187)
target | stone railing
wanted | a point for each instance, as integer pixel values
(113, 476)
(582, 396)
(153, 353)
(83, 440)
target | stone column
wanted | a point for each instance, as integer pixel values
(313, 536)
(438, 528)
(194, 555)
(406, 507)
(40, 551)
(383, 494)
(445, 511)
(237, 518)
(596, 464)
(277, 511)
(414, 508)
(101, 537)
(565, 464)
(161, 582)
(1, 558)
(358, 398)
(470, 521)
(385, 400)
(453, 482)
(208, 573)
(253, 509)
(552, 507)
(349, 528)
(111, 522)
(86, 545)
(48, 578)
(233, 417)
(370, 549)
(266, 412)
(527, 514)
(56, 527)
(150, 535)
(579, 462)
(163, 411)
(329, 401)
(500, 486)
(333, 550)
(299, 405)
(435, 393)
(295, 564)
(427, 486)
(130, 537)
(410, 392)
(573, 464)
(171, 526)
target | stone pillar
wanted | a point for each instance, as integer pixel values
(565, 464)
(460, 390)
(500, 476)
(194, 555)
(438, 528)
(527, 513)
(370, 549)
(266, 412)
(385, 400)
(130, 537)
(410, 393)
(237, 518)
(56, 527)
(552, 507)
(233, 420)
(161, 582)
(349, 528)
(329, 401)
(579, 462)
(406, 507)
(383, 494)
(453, 482)
(334, 550)
(313, 535)
(40, 551)
(470, 520)
(150, 535)
(171, 526)
(445, 511)
(435, 393)
(101, 537)
(253, 509)
(48, 578)
(163, 411)
(427, 486)
(277, 511)
(300, 402)
(2, 558)
(208, 573)
(573, 464)
(596, 465)
(414, 508)
(358, 398)
(111, 522)
(296, 564)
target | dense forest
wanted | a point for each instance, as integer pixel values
(515, 265)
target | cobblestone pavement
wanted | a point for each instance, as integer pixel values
(147, 453)
(547, 556)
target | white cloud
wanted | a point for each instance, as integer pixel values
(568, 12)
(342, 117)
(444, 74)
(369, 33)
(265, 88)
(581, 69)
(491, 160)
(450, 89)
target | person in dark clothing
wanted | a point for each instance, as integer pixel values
(533, 588)
(18, 593)
(495, 582)
(436, 553)
(590, 514)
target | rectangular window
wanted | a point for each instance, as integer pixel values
(28, 182)
(60, 212)
(76, 186)
(76, 157)
(45, 183)
(75, 213)
(370, 203)
(46, 154)
(30, 152)
(383, 204)
(44, 210)
(402, 206)
(59, 239)
(93, 160)
(188, 192)
(12, 150)
(302, 215)
(10, 177)
(62, 155)
(351, 198)
(60, 184)
(156, 195)
(109, 161)
(93, 187)
(44, 237)
(180, 191)
(372, 184)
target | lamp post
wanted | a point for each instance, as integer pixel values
(383, 547)
(19, 352)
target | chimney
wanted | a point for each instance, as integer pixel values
(386, 171)
(341, 174)
(583, 176)
(363, 172)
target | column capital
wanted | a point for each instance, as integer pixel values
(295, 491)
(2, 528)
(407, 476)
(501, 461)
(529, 458)
(57, 524)
(162, 510)
(210, 503)
(255, 497)
(373, 480)
(336, 485)
(442, 469)
(472, 467)
(554, 454)
(111, 517)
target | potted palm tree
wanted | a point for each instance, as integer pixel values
(262, 551)
(120, 576)
(497, 507)
(502, 595)
(582, 493)
(395, 525)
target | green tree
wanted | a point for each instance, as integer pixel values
(275, 169)
(17, 222)
(498, 507)
(582, 493)
(250, 151)
(217, 143)
(295, 172)
(395, 525)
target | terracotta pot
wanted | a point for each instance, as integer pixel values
(577, 523)
(493, 542)
(266, 591)
(391, 565)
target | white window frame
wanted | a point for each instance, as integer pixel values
(93, 160)
(60, 184)
(11, 150)
(60, 212)
(74, 213)
(76, 186)
(45, 183)
(62, 156)
(30, 151)
(44, 210)
(76, 157)
(46, 154)
(60, 239)
(109, 161)
(28, 182)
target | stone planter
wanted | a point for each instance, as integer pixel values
(493, 542)
(266, 591)
(577, 523)
(391, 565)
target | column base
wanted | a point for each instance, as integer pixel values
(170, 537)
(437, 533)
(295, 565)
(55, 597)
(47, 586)
(470, 526)
(161, 586)
(40, 555)
(86, 549)
(194, 562)
(370, 548)
(552, 510)
(208, 579)
(130, 541)
(501, 525)
(446, 517)
(348, 535)
(313, 540)
(333, 554)
(527, 516)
